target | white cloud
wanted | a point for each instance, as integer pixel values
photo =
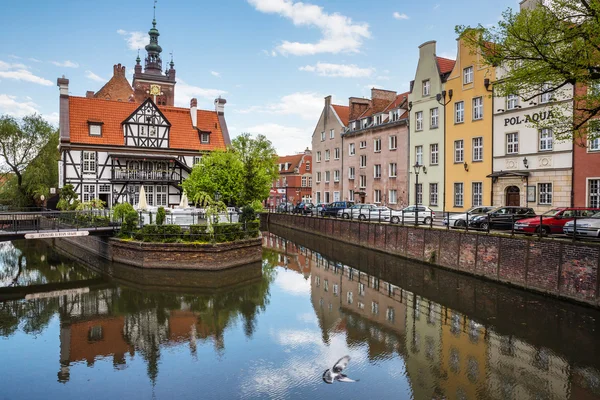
(215, 73)
(94, 77)
(292, 282)
(66, 64)
(186, 92)
(373, 86)
(14, 57)
(20, 72)
(397, 15)
(135, 40)
(52, 118)
(383, 78)
(338, 70)
(34, 60)
(339, 33)
(9, 105)
(287, 140)
(304, 104)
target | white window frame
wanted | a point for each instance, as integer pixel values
(419, 193)
(392, 196)
(545, 193)
(377, 196)
(89, 162)
(426, 87)
(419, 155)
(434, 117)
(336, 153)
(433, 194)
(477, 194)
(419, 120)
(512, 143)
(318, 177)
(459, 151)
(593, 196)
(468, 75)
(377, 145)
(323, 136)
(393, 170)
(304, 181)
(318, 156)
(336, 175)
(434, 150)
(327, 176)
(204, 138)
(393, 142)
(477, 108)
(331, 133)
(477, 144)
(351, 149)
(88, 192)
(459, 192)
(363, 161)
(363, 182)
(327, 155)
(351, 172)
(546, 137)
(512, 101)
(459, 112)
(95, 130)
(363, 144)
(545, 97)
(377, 171)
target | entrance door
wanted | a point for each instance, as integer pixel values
(104, 198)
(513, 196)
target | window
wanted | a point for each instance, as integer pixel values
(467, 75)
(420, 193)
(197, 159)
(545, 191)
(204, 137)
(394, 115)
(377, 196)
(349, 297)
(89, 192)
(545, 139)
(419, 120)
(351, 149)
(318, 179)
(331, 134)
(363, 161)
(459, 151)
(162, 193)
(308, 165)
(512, 101)
(478, 108)
(477, 190)
(361, 289)
(95, 129)
(377, 145)
(392, 196)
(365, 122)
(458, 195)
(393, 142)
(351, 194)
(512, 143)
(426, 87)
(327, 176)
(378, 119)
(336, 153)
(310, 181)
(434, 150)
(322, 136)
(377, 171)
(433, 194)
(459, 112)
(374, 307)
(89, 162)
(594, 144)
(351, 172)
(318, 156)
(390, 314)
(363, 144)
(304, 181)
(419, 155)
(393, 170)
(149, 194)
(336, 175)
(363, 181)
(318, 199)
(478, 149)
(545, 97)
(434, 114)
(327, 155)
(594, 193)
(326, 195)
(104, 188)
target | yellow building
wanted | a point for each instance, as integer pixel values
(468, 143)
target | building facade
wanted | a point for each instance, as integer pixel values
(327, 141)
(426, 137)
(468, 131)
(109, 149)
(375, 150)
(294, 183)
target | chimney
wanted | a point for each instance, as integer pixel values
(63, 109)
(307, 151)
(194, 112)
(89, 94)
(327, 101)
(357, 107)
(220, 106)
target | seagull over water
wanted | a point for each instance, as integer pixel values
(335, 373)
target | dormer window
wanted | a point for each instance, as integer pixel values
(95, 128)
(205, 137)
(379, 119)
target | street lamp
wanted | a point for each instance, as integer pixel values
(417, 168)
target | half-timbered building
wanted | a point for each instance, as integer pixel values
(109, 148)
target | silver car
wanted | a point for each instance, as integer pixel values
(425, 215)
(584, 227)
(357, 211)
(461, 220)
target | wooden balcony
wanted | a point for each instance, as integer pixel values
(130, 175)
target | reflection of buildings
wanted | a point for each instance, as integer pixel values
(289, 255)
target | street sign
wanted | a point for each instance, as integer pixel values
(50, 235)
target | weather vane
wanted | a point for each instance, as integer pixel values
(155, 8)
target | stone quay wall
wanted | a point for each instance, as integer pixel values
(565, 269)
(207, 257)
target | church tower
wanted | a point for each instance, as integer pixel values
(151, 82)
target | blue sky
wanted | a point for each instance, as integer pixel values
(273, 60)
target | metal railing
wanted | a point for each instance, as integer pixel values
(16, 222)
(142, 175)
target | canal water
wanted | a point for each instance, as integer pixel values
(73, 329)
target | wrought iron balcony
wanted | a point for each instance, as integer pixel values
(134, 175)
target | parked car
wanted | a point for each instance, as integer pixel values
(585, 226)
(501, 217)
(319, 207)
(461, 220)
(552, 221)
(424, 215)
(356, 210)
(304, 208)
(377, 213)
(285, 207)
(332, 209)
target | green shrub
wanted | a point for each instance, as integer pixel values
(199, 233)
(252, 229)
(159, 233)
(248, 214)
(130, 222)
(160, 216)
(171, 233)
(120, 210)
(228, 232)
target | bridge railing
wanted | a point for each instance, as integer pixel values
(12, 222)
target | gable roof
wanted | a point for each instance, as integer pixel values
(343, 112)
(112, 114)
(294, 161)
(445, 65)
(397, 102)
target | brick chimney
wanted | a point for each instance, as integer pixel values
(220, 106)
(357, 107)
(118, 70)
(380, 99)
(63, 109)
(194, 112)
(90, 94)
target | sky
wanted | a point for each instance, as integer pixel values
(274, 61)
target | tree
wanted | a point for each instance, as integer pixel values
(68, 198)
(546, 49)
(219, 171)
(20, 143)
(42, 172)
(259, 160)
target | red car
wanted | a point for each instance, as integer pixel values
(552, 221)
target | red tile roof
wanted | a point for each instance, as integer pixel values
(398, 101)
(182, 135)
(293, 160)
(343, 112)
(445, 64)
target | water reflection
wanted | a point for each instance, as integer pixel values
(270, 330)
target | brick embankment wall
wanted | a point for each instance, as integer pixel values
(561, 268)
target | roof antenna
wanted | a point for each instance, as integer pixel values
(154, 9)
